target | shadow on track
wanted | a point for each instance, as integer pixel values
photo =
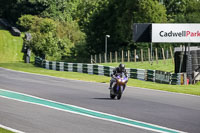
(103, 98)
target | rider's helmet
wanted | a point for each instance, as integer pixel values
(121, 67)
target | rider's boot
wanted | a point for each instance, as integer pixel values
(110, 85)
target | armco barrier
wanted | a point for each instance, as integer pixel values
(141, 74)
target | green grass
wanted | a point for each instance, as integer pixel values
(187, 89)
(2, 130)
(168, 66)
(10, 47)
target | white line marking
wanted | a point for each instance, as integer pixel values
(141, 127)
(11, 129)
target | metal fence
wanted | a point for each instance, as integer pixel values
(141, 74)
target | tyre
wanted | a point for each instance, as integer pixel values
(119, 96)
(120, 93)
(112, 95)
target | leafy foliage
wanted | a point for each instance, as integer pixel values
(51, 39)
(116, 19)
(73, 29)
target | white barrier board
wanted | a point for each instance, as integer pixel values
(176, 33)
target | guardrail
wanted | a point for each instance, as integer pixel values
(141, 74)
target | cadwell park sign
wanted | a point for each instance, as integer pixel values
(166, 33)
(175, 33)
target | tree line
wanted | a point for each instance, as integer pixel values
(71, 30)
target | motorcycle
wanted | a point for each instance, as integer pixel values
(118, 87)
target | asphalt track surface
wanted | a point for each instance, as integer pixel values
(176, 111)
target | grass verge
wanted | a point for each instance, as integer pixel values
(19, 66)
(168, 66)
(10, 46)
(2, 130)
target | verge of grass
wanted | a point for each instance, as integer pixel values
(2, 130)
(19, 66)
(10, 46)
(168, 66)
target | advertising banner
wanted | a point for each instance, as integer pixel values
(176, 33)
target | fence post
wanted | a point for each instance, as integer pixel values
(116, 56)
(149, 55)
(172, 55)
(163, 53)
(104, 57)
(141, 55)
(135, 55)
(122, 56)
(110, 57)
(156, 55)
(128, 55)
(95, 58)
(99, 58)
(91, 59)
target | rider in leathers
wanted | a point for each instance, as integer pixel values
(118, 70)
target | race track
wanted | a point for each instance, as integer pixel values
(175, 111)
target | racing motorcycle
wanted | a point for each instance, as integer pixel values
(118, 87)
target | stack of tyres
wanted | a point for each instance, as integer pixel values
(194, 57)
(133, 73)
(150, 75)
(95, 69)
(198, 57)
(177, 60)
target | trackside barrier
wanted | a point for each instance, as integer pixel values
(141, 74)
(151, 75)
(162, 77)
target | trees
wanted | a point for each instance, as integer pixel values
(183, 11)
(192, 11)
(150, 11)
(175, 9)
(74, 26)
(51, 39)
(117, 18)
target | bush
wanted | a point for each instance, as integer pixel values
(26, 21)
(52, 40)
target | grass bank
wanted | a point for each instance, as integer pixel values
(10, 46)
(19, 66)
(168, 66)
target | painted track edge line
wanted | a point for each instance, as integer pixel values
(124, 123)
(10, 129)
(149, 129)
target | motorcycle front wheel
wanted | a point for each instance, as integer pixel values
(119, 96)
(120, 93)
(112, 96)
